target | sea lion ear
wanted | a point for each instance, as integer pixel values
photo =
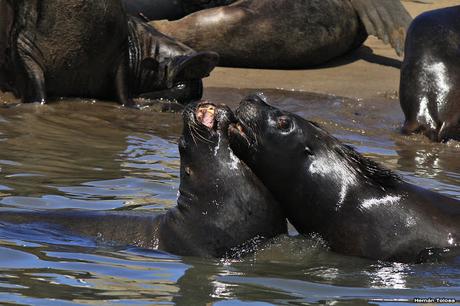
(150, 64)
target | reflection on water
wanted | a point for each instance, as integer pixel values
(99, 156)
(77, 153)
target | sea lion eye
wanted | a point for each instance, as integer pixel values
(308, 151)
(283, 123)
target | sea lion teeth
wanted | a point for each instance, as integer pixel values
(206, 115)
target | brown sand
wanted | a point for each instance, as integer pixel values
(372, 70)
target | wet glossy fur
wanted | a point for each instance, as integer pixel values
(430, 75)
(326, 187)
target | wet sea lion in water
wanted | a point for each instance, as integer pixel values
(221, 205)
(430, 75)
(328, 188)
(289, 33)
(92, 49)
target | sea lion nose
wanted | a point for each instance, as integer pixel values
(193, 66)
(251, 106)
(257, 99)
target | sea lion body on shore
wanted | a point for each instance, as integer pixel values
(430, 75)
(326, 187)
(221, 205)
(57, 48)
(169, 9)
(287, 33)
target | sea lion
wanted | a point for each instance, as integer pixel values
(430, 75)
(357, 206)
(92, 49)
(221, 205)
(289, 33)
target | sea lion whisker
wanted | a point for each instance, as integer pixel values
(195, 130)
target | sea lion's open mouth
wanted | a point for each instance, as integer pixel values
(241, 136)
(205, 113)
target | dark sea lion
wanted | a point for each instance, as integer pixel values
(430, 75)
(161, 67)
(221, 206)
(326, 187)
(91, 49)
(289, 33)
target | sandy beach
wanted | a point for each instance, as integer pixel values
(370, 71)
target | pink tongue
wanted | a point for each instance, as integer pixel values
(208, 120)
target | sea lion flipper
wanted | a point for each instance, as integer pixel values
(386, 19)
(30, 62)
(121, 86)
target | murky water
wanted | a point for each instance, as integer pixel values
(98, 156)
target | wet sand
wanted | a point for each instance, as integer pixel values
(371, 71)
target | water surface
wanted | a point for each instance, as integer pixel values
(91, 155)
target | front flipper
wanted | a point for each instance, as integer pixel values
(31, 76)
(121, 85)
(386, 19)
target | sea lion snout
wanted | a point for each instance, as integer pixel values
(193, 66)
(251, 115)
(205, 113)
(250, 108)
(213, 116)
(255, 99)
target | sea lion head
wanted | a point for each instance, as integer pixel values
(161, 66)
(265, 135)
(206, 159)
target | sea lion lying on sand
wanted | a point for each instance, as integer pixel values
(430, 75)
(289, 33)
